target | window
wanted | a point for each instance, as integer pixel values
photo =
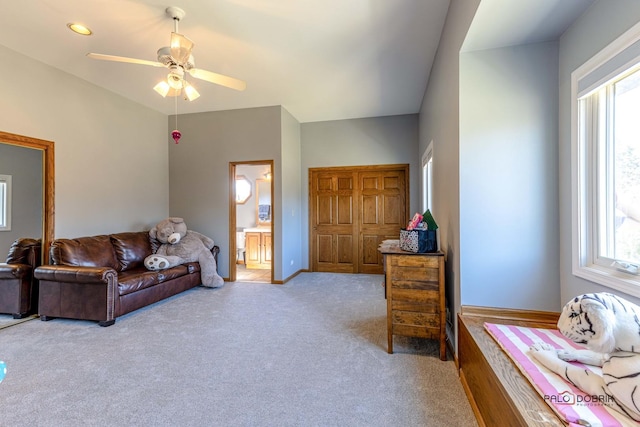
(243, 189)
(5, 202)
(606, 166)
(427, 178)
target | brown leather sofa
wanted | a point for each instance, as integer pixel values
(18, 287)
(103, 277)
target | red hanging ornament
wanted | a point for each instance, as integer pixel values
(176, 135)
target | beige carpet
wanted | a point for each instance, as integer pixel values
(7, 320)
(311, 352)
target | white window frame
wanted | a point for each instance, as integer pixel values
(585, 261)
(427, 178)
(5, 202)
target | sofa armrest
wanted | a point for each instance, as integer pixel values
(15, 271)
(88, 293)
(72, 274)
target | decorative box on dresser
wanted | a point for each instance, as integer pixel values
(414, 288)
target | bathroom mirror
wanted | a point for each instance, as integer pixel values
(263, 201)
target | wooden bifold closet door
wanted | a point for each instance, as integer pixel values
(351, 211)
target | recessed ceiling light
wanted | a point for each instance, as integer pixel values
(80, 29)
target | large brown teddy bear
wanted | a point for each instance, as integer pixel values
(179, 246)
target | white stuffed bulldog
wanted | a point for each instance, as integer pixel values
(179, 246)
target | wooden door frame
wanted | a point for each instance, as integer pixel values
(232, 213)
(377, 168)
(48, 183)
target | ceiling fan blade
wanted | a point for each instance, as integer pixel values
(218, 79)
(181, 48)
(123, 59)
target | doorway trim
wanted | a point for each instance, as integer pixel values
(48, 208)
(232, 214)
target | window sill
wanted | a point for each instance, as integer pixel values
(611, 278)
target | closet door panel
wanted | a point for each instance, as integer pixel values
(351, 211)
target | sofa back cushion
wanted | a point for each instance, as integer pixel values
(131, 249)
(94, 251)
(25, 251)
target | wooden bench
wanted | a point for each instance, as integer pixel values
(498, 393)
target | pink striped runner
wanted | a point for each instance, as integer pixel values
(571, 404)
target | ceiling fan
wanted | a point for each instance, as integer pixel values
(178, 59)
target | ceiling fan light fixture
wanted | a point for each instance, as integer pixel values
(180, 47)
(175, 78)
(190, 92)
(162, 88)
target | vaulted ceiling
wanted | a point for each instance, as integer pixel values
(320, 59)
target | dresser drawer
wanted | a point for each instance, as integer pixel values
(416, 261)
(421, 274)
(416, 331)
(418, 286)
(427, 298)
(412, 318)
(426, 305)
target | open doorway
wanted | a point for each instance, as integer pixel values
(251, 221)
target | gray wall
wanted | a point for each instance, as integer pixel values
(199, 169)
(111, 164)
(508, 177)
(25, 167)
(199, 165)
(603, 22)
(290, 216)
(357, 142)
(439, 122)
(465, 173)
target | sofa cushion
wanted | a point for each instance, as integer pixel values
(131, 249)
(94, 251)
(140, 278)
(25, 251)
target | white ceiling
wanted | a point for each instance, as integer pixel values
(319, 59)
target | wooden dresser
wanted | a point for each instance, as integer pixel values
(414, 288)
